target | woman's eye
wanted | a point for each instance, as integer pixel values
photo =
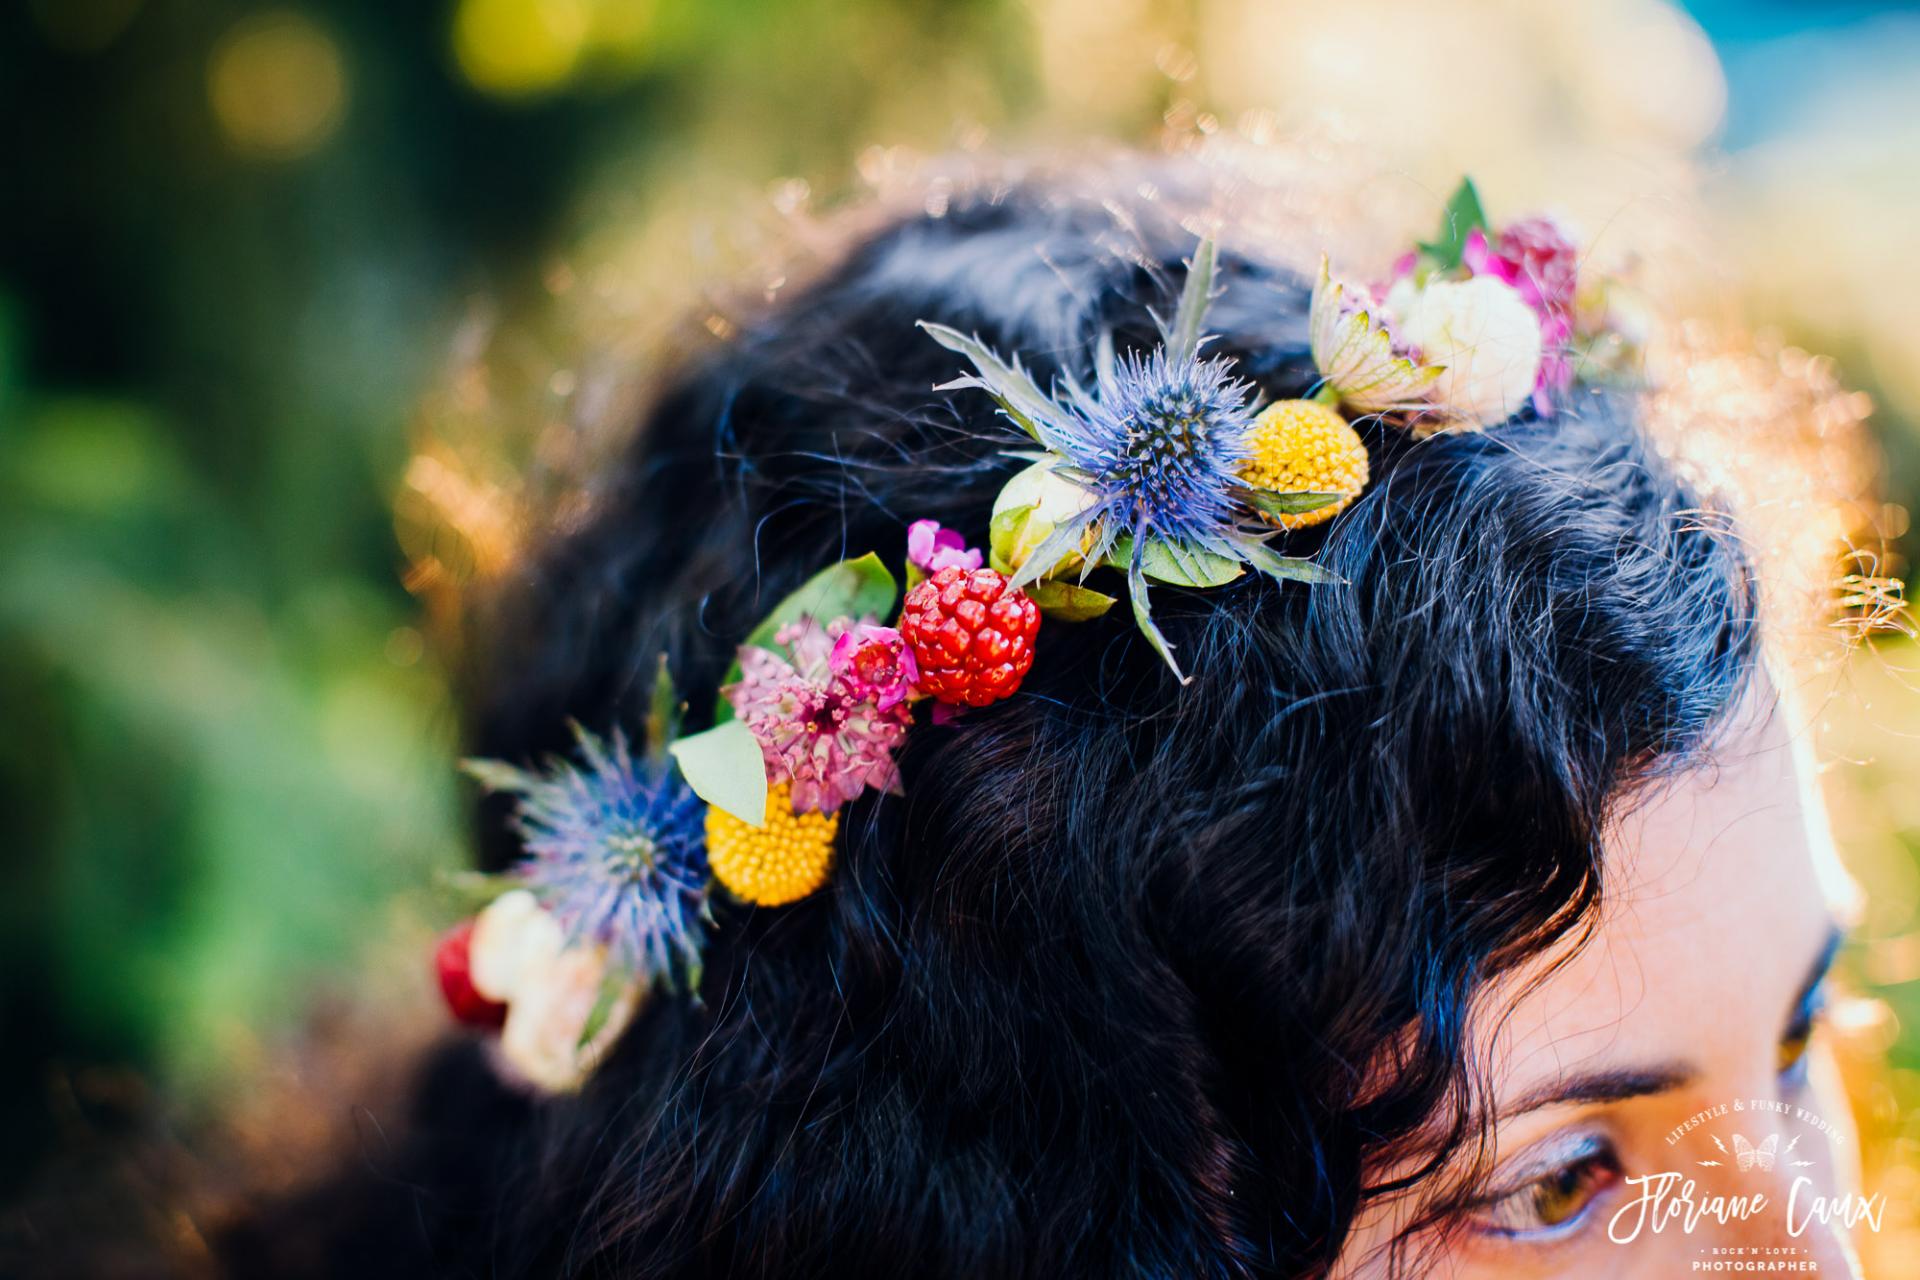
(1798, 1038)
(1551, 1202)
(1793, 1050)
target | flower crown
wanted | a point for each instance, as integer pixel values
(1165, 470)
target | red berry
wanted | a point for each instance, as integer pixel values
(971, 634)
(452, 960)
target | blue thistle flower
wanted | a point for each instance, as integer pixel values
(1157, 446)
(617, 851)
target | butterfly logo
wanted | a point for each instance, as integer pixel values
(1747, 1156)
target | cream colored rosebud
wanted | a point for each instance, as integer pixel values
(1488, 340)
(541, 1041)
(1046, 499)
(512, 937)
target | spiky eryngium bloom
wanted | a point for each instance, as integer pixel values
(1158, 445)
(616, 851)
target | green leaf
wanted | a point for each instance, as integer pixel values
(1174, 564)
(497, 775)
(663, 715)
(1019, 396)
(850, 589)
(612, 988)
(476, 889)
(1285, 568)
(1069, 602)
(1296, 503)
(1183, 335)
(1004, 533)
(1059, 551)
(1458, 220)
(725, 768)
(1143, 618)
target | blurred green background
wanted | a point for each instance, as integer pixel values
(251, 256)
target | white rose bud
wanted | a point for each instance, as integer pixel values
(512, 938)
(1046, 500)
(542, 1042)
(1487, 337)
(519, 956)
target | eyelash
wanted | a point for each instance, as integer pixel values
(1528, 1210)
(1798, 1038)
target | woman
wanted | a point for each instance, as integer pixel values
(1400, 933)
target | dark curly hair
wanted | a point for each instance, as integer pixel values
(1136, 979)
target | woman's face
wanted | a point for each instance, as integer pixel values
(1662, 1099)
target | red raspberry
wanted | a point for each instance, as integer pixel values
(452, 960)
(971, 634)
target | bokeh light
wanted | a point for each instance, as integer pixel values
(527, 48)
(520, 46)
(277, 85)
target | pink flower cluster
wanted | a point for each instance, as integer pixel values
(829, 719)
(1539, 260)
(829, 702)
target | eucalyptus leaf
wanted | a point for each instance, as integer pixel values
(1068, 601)
(725, 768)
(849, 589)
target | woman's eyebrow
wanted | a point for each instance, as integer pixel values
(1604, 1085)
(1619, 1085)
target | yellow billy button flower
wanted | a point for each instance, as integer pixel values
(781, 862)
(1302, 445)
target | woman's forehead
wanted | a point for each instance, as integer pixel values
(1715, 905)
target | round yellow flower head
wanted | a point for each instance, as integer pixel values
(1303, 445)
(773, 865)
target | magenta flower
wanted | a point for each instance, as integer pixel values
(876, 662)
(825, 730)
(1546, 257)
(1541, 263)
(1479, 258)
(931, 548)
